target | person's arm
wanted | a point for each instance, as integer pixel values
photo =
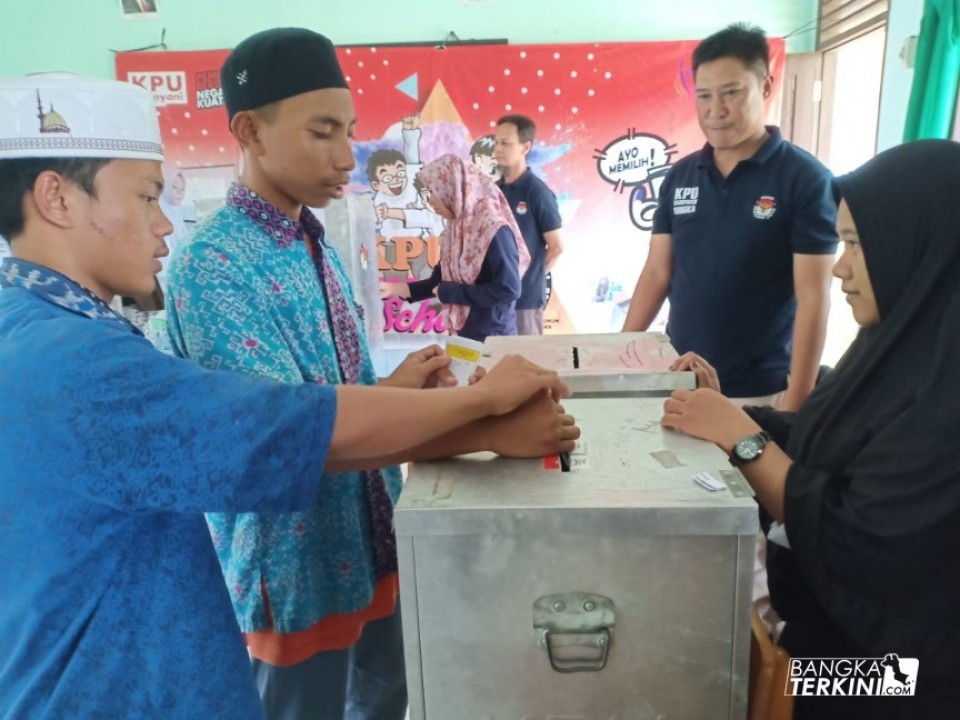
(707, 414)
(394, 290)
(423, 289)
(412, 218)
(813, 241)
(502, 264)
(546, 211)
(705, 373)
(410, 134)
(418, 218)
(392, 213)
(367, 415)
(152, 432)
(538, 428)
(554, 243)
(653, 285)
(767, 476)
(811, 280)
(776, 422)
(423, 368)
(869, 533)
(226, 325)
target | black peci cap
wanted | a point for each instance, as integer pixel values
(276, 64)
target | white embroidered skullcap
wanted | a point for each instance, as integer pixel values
(65, 115)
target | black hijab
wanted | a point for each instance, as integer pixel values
(872, 504)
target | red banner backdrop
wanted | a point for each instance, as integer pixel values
(611, 118)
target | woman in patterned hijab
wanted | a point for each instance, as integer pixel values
(482, 253)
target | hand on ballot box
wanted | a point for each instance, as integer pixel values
(514, 380)
(538, 428)
(705, 372)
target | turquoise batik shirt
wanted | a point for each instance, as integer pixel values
(112, 603)
(245, 295)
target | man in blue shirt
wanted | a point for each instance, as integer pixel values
(535, 208)
(743, 237)
(112, 603)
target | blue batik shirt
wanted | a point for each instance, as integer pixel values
(112, 604)
(245, 295)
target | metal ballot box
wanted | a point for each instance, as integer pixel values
(618, 590)
(599, 365)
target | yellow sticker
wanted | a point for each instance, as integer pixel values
(462, 353)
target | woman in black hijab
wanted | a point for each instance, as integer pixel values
(866, 476)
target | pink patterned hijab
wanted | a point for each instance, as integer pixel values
(479, 210)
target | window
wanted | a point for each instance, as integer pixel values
(842, 20)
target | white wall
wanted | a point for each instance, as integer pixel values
(78, 35)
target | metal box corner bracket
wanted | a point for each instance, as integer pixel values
(619, 589)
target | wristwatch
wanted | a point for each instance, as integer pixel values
(749, 448)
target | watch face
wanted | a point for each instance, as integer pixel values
(749, 448)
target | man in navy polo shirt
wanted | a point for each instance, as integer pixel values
(743, 238)
(535, 207)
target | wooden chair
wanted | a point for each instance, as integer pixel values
(769, 666)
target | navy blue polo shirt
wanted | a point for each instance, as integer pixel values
(733, 240)
(535, 208)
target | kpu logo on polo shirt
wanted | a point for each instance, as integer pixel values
(765, 207)
(889, 676)
(685, 200)
(521, 208)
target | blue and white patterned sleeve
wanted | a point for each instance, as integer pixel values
(140, 431)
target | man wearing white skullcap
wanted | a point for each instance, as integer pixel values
(112, 604)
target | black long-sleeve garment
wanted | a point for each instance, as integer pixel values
(872, 500)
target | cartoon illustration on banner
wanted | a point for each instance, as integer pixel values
(611, 120)
(640, 161)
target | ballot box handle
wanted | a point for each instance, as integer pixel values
(577, 652)
(575, 629)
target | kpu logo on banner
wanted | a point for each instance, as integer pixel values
(167, 87)
(889, 676)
